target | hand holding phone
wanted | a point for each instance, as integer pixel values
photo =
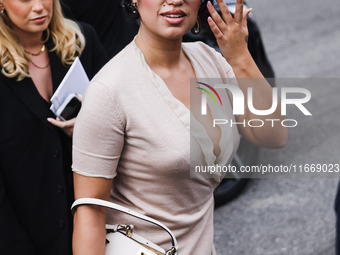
(70, 108)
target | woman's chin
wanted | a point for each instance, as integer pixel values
(174, 34)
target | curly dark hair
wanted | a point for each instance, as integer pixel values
(203, 12)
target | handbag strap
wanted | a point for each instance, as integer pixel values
(100, 202)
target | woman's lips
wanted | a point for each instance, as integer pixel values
(39, 20)
(174, 17)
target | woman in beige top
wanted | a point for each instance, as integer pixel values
(133, 143)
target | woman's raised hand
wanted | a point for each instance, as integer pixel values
(231, 32)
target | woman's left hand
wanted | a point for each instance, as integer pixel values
(231, 32)
(67, 126)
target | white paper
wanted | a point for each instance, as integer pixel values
(75, 81)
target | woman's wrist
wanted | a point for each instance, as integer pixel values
(244, 66)
(239, 60)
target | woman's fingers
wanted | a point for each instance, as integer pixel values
(66, 126)
(214, 28)
(239, 12)
(245, 16)
(69, 123)
(80, 97)
(218, 21)
(224, 12)
(240, 16)
(232, 35)
(56, 122)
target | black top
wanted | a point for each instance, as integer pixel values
(108, 18)
(36, 188)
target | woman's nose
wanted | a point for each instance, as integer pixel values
(175, 2)
(37, 5)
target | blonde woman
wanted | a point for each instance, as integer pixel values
(37, 46)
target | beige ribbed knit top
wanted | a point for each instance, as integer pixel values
(132, 130)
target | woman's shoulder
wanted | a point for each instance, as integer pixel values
(122, 69)
(116, 81)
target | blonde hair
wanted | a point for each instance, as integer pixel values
(66, 35)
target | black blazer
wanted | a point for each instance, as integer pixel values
(35, 162)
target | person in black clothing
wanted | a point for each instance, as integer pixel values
(37, 47)
(337, 213)
(108, 18)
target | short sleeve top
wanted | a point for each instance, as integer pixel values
(133, 130)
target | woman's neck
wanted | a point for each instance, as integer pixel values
(29, 40)
(160, 52)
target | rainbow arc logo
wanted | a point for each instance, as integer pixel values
(209, 93)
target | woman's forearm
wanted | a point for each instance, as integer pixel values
(89, 221)
(89, 230)
(272, 134)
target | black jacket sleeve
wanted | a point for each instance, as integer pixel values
(13, 238)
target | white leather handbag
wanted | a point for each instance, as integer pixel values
(121, 239)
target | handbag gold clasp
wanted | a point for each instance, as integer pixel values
(128, 229)
(143, 252)
(172, 251)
